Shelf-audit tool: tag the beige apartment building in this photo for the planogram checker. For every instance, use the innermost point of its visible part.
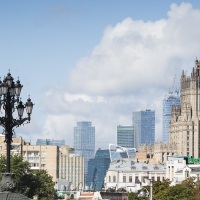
(60, 162)
(16, 146)
(42, 157)
(71, 167)
(185, 121)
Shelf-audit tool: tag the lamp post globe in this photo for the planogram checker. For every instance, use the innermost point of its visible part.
(9, 101)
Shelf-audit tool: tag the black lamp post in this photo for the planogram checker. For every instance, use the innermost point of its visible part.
(9, 101)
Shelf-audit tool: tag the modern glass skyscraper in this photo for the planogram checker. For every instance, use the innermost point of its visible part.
(144, 127)
(125, 136)
(84, 141)
(167, 110)
(97, 168)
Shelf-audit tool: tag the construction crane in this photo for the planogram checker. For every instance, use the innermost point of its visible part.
(171, 90)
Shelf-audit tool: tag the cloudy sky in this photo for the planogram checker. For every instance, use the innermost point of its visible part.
(96, 60)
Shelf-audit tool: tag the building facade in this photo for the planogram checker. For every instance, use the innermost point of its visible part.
(84, 142)
(185, 123)
(16, 146)
(50, 142)
(144, 127)
(42, 157)
(39, 157)
(71, 168)
(125, 136)
(182, 167)
(167, 111)
(97, 168)
(157, 153)
(131, 175)
(118, 152)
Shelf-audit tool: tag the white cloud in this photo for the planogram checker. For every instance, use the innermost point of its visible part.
(131, 68)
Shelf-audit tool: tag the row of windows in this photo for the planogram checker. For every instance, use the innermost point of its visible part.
(130, 179)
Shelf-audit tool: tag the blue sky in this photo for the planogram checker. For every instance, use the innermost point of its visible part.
(95, 60)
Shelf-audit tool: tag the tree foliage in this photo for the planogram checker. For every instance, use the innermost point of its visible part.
(29, 183)
(189, 189)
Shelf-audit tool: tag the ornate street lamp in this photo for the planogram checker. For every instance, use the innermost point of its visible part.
(145, 193)
(9, 101)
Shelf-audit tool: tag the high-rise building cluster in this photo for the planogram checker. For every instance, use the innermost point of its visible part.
(136, 156)
(142, 130)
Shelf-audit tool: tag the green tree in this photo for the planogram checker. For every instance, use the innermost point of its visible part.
(182, 191)
(134, 196)
(189, 189)
(29, 182)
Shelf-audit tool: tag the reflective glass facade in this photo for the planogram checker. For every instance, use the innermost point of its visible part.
(125, 136)
(118, 152)
(50, 142)
(167, 109)
(144, 127)
(97, 168)
(84, 141)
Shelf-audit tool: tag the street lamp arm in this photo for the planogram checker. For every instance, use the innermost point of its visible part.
(18, 122)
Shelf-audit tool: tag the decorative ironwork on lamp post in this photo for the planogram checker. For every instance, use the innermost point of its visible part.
(9, 101)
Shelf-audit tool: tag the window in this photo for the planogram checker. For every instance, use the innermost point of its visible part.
(144, 168)
(114, 178)
(43, 159)
(124, 179)
(133, 167)
(130, 179)
(109, 179)
(158, 178)
(136, 179)
(186, 173)
(34, 164)
(156, 168)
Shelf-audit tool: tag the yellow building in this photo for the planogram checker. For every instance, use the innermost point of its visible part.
(156, 153)
(60, 162)
(71, 167)
(16, 146)
(42, 157)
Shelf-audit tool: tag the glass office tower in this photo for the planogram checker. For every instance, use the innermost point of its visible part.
(144, 127)
(167, 109)
(84, 142)
(97, 168)
(125, 136)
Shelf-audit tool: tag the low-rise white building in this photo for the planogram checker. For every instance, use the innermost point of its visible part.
(182, 167)
(131, 175)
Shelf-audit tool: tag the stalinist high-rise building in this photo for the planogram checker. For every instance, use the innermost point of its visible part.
(185, 121)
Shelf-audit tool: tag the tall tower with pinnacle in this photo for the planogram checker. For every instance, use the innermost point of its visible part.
(185, 121)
